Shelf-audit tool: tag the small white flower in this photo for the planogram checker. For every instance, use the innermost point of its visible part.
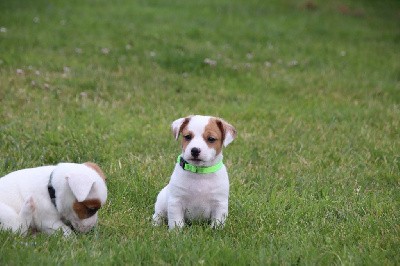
(20, 71)
(36, 19)
(105, 50)
(83, 94)
(37, 73)
(66, 69)
(128, 47)
(153, 54)
(210, 62)
(293, 63)
(3, 29)
(357, 190)
(267, 64)
(342, 53)
(33, 83)
(249, 56)
(30, 67)
(46, 86)
(78, 50)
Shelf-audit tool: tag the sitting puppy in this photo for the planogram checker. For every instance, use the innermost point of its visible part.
(199, 186)
(48, 198)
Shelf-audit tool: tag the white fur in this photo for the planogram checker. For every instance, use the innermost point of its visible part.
(192, 196)
(25, 201)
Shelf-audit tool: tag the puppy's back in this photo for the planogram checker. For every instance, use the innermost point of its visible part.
(16, 186)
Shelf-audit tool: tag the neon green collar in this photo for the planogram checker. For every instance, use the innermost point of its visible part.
(198, 169)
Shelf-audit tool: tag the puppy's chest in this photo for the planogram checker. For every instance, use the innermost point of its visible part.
(199, 190)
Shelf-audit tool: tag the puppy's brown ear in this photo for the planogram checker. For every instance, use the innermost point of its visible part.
(96, 168)
(178, 125)
(229, 132)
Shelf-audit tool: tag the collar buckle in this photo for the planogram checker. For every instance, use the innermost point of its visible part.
(182, 162)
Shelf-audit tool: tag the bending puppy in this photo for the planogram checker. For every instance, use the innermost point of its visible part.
(49, 198)
(199, 186)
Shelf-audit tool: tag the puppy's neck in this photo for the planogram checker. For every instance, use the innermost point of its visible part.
(216, 160)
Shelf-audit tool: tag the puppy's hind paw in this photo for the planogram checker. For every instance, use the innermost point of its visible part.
(26, 215)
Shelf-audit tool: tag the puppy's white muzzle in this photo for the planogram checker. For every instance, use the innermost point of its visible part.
(85, 225)
(198, 153)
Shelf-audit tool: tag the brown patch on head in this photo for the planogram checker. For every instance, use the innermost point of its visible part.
(96, 168)
(187, 135)
(86, 208)
(184, 124)
(214, 134)
(178, 125)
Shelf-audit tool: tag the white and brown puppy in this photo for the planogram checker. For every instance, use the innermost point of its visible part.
(199, 186)
(66, 196)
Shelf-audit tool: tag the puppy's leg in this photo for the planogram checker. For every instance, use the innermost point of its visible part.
(160, 208)
(9, 219)
(175, 214)
(26, 214)
(50, 227)
(219, 214)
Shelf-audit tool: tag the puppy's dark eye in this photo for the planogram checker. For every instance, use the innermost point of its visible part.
(92, 211)
(211, 139)
(188, 137)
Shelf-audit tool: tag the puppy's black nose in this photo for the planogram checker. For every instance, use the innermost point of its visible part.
(195, 152)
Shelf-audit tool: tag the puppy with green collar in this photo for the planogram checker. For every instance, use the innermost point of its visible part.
(199, 185)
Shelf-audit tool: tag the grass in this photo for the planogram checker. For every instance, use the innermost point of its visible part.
(313, 92)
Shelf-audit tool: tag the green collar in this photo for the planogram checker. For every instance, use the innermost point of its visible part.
(198, 169)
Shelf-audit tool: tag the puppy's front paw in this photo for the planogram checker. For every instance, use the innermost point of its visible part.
(158, 220)
(216, 224)
(219, 221)
(67, 232)
(176, 224)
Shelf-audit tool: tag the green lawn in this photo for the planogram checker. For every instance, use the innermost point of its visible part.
(313, 88)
